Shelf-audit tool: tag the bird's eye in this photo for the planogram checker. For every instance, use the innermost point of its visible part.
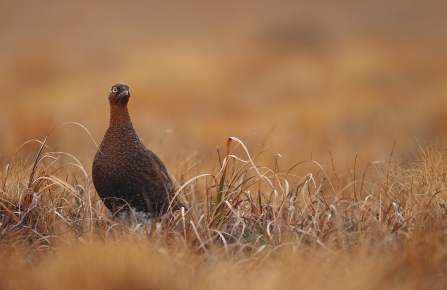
(114, 89)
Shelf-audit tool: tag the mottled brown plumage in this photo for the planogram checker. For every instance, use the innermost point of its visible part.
(125, 173)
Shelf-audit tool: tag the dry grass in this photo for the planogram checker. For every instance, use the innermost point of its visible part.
(244, 227)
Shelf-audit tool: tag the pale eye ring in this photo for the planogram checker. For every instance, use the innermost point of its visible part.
(114, 89)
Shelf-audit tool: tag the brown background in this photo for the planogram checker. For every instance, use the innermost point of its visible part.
(303, 77)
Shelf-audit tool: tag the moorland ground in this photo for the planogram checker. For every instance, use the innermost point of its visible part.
(243, 226)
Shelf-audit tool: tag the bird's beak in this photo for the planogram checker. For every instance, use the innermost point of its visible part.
(126, 92)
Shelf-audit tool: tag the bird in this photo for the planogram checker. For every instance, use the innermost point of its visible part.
(127, 176)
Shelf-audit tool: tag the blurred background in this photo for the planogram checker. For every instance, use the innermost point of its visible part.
(301, 77)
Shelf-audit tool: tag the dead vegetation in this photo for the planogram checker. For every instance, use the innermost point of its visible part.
(244, 226)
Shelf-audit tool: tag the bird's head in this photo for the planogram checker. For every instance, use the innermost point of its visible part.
(119, 95)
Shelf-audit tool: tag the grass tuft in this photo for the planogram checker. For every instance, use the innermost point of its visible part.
(244, 225)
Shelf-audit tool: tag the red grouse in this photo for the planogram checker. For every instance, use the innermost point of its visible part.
(125, 173)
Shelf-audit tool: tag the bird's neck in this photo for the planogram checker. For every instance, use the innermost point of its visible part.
(119, 115)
